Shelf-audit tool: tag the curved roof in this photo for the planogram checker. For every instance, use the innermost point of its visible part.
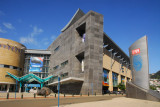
(79, 13)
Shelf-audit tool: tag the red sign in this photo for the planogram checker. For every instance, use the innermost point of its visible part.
(136, 51)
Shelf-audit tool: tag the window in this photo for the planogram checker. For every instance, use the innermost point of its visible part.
(64, 63)
(14, 67)
(47, 63)
(56, 49)
(64, 75)
(47, 57)
(81, 31)
(56, 67)
(6, 66)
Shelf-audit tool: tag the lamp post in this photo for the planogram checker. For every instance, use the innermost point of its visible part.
(58, 88)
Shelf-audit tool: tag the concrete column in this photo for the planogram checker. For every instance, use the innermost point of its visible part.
(119, 80)
(20, 85)
(110, 81)
(125, 80)
(8, 86)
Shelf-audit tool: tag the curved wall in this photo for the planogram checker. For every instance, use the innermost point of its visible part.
(11, 60)
(139, 63)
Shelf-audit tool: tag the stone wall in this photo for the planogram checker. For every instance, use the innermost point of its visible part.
(133, 91)
(70, 45)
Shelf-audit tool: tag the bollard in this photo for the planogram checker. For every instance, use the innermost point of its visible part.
(95, 93)
(21, 96)
(64, 95)
(34, 95)
(7, 95)
(72, 95)
(88, 93)
(81, 94)
(55, 95)
(45, 95)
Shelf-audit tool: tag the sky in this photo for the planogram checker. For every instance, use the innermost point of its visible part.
(37, 23)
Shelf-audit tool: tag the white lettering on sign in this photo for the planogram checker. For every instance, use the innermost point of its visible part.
(135, 51)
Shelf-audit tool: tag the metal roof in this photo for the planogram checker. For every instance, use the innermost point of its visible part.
(79, 13)
(30, 78)
(112, 45)
(36, 51)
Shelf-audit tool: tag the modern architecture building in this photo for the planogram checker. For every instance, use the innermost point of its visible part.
(11, 60)
(86, 59)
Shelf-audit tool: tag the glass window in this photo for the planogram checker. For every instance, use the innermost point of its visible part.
(64, 63)
(115, 79)
(56, 67)
(48, 57)
(6, 66)
(105, 77)
(14, 67)
(56, 49)
(47, 63)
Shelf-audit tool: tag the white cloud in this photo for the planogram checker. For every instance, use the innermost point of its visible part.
(2, 31)
(36, 31)
(8, 25)
(27, 40)
(31, 38)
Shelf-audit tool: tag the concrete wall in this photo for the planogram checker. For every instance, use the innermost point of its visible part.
(133, 91)
(70, 45)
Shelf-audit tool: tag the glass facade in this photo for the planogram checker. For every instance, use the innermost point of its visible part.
(115, 79)
(122, 80)
(45, 66)
(105, 77)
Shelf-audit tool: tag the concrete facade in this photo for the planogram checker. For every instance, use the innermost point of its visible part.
(134, 91)
(71, 48)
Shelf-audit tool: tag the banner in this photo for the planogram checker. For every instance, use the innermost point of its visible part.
(36, 64)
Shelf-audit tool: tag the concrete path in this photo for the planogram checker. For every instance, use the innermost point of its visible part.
(116, 102)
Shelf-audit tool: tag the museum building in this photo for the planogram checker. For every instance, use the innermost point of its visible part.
(86, 59)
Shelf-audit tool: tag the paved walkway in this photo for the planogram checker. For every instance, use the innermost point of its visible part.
(116, 102)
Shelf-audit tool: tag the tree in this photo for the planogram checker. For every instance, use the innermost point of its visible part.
(152, 87)
(121, 86)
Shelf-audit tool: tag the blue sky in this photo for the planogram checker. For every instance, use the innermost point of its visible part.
(36, 23)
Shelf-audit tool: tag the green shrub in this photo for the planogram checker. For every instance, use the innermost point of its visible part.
(121, 86)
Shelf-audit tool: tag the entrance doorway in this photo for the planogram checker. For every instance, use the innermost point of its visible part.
(105, 90)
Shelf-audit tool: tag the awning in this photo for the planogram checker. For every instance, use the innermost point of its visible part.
(67, 80)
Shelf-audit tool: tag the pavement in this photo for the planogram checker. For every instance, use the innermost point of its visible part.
(75, 101)
(116, 102)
